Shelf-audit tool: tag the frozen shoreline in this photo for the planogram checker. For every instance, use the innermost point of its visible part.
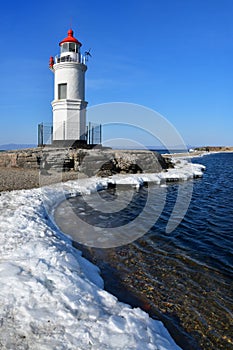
(51, 297)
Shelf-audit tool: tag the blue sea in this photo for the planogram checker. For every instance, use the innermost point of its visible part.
(184, 278)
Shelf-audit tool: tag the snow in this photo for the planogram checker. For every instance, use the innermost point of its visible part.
(183, 170)
(53, 298)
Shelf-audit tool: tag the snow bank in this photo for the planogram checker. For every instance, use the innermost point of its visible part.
(183, 170)
(53, 298)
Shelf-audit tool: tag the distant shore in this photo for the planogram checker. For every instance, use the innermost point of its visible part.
(200, 151)
(214, 149)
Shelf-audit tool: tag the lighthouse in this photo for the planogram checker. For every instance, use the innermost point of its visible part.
(69, 105)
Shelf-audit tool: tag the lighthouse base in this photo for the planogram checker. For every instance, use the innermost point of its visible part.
(69, 120)
(70, 144)
(73, 144)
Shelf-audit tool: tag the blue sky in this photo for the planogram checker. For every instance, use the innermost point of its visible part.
(172, 56)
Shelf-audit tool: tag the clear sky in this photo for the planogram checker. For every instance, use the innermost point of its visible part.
(173, 56)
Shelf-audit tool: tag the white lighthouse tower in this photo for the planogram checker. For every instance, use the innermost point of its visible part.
(69, 105)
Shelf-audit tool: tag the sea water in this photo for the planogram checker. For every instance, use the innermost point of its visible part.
(184, 277)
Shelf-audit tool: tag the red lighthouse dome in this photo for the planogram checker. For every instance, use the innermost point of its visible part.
(70, 38)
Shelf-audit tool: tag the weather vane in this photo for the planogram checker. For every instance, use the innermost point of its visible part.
(87, 54)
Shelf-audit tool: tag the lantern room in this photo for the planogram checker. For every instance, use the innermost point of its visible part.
(70, 48)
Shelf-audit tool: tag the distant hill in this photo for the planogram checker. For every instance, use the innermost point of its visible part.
(15, 146)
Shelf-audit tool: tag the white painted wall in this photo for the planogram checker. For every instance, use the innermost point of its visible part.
(69, 115)
(73, 74)
(69, 119)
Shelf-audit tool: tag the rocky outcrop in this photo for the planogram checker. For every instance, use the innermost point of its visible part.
(27, 158)
(101, 162)
(106, 163)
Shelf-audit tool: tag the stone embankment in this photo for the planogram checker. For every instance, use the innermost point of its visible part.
(40, 166)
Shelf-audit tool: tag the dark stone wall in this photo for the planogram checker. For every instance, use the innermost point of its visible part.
(101, 162)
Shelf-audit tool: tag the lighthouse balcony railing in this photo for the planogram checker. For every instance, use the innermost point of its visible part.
(68, 58)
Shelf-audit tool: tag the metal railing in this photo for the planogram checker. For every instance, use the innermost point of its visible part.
(93, 134)
(68, 58)
(45, 134)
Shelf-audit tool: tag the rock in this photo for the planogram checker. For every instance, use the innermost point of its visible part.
(90, 162)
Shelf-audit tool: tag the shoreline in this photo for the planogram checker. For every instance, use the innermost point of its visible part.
(50, 196)
(70, 187)
(114, 285)
(18, 178)
(26, 169)
(75, 310)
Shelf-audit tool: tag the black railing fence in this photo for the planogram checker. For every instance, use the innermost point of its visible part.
(45, 134)
(93, 134)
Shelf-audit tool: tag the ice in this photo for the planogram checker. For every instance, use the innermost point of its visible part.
(53, 298)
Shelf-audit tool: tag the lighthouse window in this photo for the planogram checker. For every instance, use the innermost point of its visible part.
(65, 47)
(72, 47)
(62, 91)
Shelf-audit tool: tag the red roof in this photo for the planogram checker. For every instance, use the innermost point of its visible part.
(70, 38)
